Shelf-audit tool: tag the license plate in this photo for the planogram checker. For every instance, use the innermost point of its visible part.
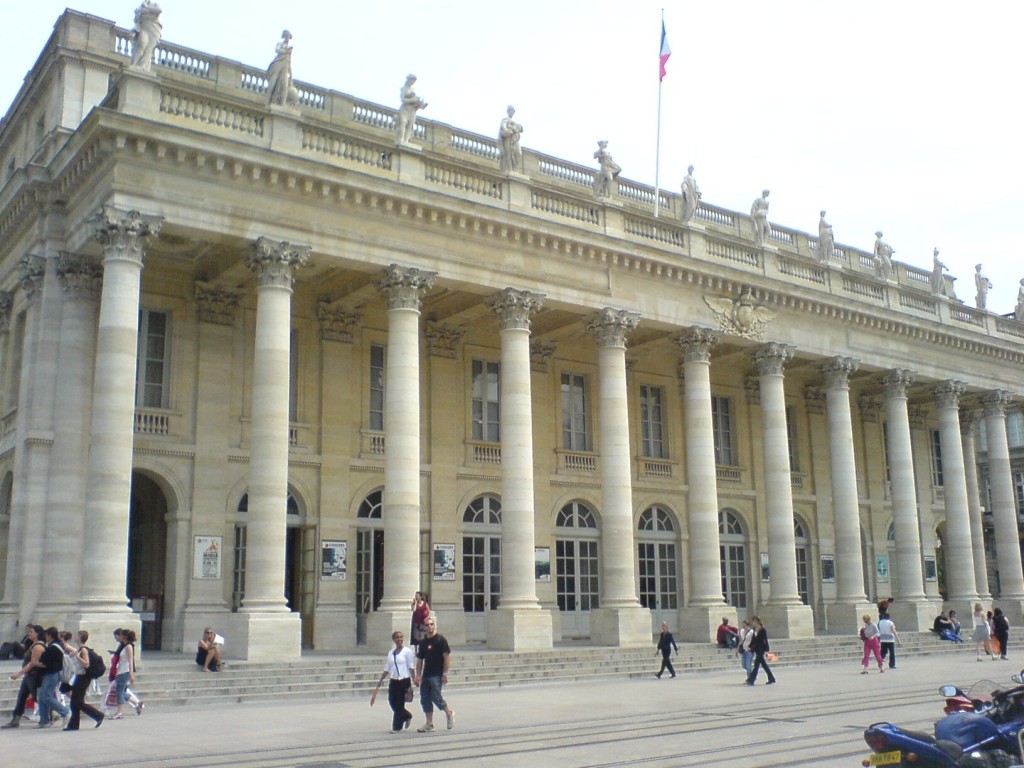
(884, 758)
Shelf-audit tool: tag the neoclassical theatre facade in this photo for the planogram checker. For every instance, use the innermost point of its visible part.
(271, 368)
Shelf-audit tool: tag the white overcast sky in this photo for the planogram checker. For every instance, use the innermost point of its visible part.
(904, 116)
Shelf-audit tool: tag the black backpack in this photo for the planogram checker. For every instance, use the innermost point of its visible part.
(96, 668)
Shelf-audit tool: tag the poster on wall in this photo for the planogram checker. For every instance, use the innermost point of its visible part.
(444, 562)
(930, 571)
(765, 572)
(882, 568)
(333, 560)
(828, 568)
(206, 556)
(542, 563)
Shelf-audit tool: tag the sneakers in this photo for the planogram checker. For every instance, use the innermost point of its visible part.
(425, 728)
(118, 716)
(139, 707)
(450, 714)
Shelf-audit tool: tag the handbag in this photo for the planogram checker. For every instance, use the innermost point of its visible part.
(408, 693)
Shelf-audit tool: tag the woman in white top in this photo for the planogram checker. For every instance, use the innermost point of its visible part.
(398, 669)
(982, 634)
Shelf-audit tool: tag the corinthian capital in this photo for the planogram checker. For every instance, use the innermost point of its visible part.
(947, 394)
(123, 234)
(610, 326)
(995, 402)
(216, 305)
(772, 357)
(515, 308)
(837, 371)
(275, 263)
(31, 270)
(696, 344)
(897, 381)
(80, 276)
(404, 288)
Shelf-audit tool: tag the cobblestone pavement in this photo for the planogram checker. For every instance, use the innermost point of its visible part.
(815, 715)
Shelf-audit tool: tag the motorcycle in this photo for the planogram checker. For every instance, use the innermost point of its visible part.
(976, 698)
(988, 737)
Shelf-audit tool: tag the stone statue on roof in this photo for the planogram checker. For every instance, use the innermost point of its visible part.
(883, 257)
(826, 240)
(608, 171)
(508, 136)
(146, 34)
(1018, 311)
(938, 282)
(280, 90)
(405, 124)
(983, 285)
(689, 196)
(759, 213)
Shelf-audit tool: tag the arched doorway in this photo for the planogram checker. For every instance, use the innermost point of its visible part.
(803, 560)
(732, 549)
(658, 566)
(577, 567)
(369, 560)
(147, 557)
(481, 563)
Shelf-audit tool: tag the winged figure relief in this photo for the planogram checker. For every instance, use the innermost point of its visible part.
(740, 316)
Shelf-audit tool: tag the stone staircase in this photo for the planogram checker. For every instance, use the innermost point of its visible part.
(172, 679)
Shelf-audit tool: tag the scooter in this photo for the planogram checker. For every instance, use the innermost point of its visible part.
(985, 738)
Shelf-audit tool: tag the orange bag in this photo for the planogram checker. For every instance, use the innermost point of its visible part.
(996, 648)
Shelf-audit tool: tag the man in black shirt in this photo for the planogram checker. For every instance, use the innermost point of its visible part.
(433, 657)
(53, 663)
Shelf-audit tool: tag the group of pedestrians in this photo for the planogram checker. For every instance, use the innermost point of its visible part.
(880, 640)
(426, 668)
(750, 641)
(55, 662)
(991, 633)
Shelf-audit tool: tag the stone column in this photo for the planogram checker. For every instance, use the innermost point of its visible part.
(620, 620)
(269, 629)
(1004, 513)
(519, 623)
(851, 601)
(104, 605)
(968, 421)
(914, 610)
(706, 606)
(403, 288)
(786, 614)
(80, 279)
(957, 547)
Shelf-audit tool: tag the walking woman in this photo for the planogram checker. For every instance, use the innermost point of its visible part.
(81, 684)
(746, 655)
(872, 645)
(399, 667)
(126, 672)
(982, 635)
(759, 645)
(665, 644)
(1000, 630)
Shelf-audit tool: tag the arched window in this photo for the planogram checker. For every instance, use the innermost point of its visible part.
(369, 556)
(802, 561)
(481, 563)
(657, 563)
(371, 506)
(733, 552)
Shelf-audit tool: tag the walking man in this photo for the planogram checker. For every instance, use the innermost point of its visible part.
(433, 657)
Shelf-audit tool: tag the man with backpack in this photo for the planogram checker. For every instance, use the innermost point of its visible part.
(92, 667)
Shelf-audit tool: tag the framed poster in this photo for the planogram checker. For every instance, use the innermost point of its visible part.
(930, 572)
(828, 568)
(881, 568)
(444, 562)
(542, 563)
(765, 573)
(206, 556)
(333, 560)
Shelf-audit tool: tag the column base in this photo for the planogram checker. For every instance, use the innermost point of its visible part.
(263, 636)
(621, 627)
(334, 628)
(846, 618)
(789, 621)
(915, 616)
(193, 622)
(520, 629)
(699, 624)
(101, 624)
(380, 625)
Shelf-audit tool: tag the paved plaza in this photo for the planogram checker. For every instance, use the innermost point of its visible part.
(814, 716)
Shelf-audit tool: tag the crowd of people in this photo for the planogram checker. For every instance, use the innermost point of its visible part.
(59, 668)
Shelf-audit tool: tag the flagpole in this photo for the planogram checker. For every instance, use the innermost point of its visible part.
(657, 141)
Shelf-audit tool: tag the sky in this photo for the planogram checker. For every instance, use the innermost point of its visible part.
(901, 116)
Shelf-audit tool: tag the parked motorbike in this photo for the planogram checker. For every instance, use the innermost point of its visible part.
(977, 698)
(984, 738)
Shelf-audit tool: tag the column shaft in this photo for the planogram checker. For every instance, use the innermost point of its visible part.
(904, 492)
(957, 548)
(1004, 513)
(967, 424)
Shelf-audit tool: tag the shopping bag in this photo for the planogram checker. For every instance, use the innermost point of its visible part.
(996, 648)
(110, 700)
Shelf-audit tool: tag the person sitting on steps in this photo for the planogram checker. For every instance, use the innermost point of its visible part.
(208, 652)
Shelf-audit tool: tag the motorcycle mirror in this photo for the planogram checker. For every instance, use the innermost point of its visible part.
(949, 691)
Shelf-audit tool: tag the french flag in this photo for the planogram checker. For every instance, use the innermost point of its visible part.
(665, 53)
